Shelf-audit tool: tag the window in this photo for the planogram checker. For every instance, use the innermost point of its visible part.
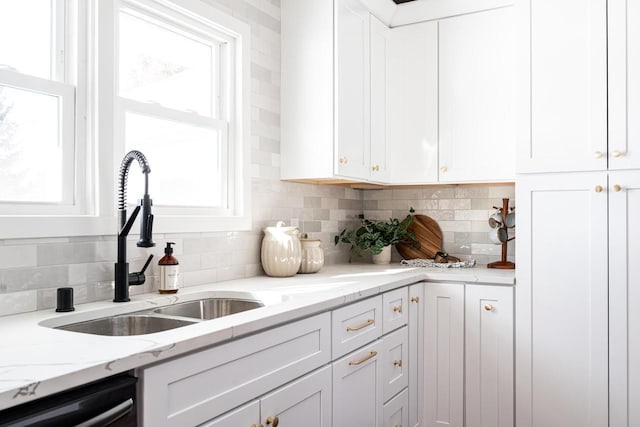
(37, 110)
(166, 77)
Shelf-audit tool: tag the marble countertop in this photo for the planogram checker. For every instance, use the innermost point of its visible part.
(36, 360)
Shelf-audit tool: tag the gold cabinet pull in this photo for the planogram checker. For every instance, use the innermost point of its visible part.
(397, 308)
(443, 169)
(360, 326)
(375, 168)
(364, 359)
(257, 425)
(597, 154)
(599, 189)
(616, 153)
(342, 160)
(415, 299)
(488, 307)
(617, 188)
(273, 421)
(397, 363)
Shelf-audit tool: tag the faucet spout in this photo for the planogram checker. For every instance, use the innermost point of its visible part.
(123, 279)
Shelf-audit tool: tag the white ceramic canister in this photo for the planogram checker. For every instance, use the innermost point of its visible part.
(281, 250)
(312, 255)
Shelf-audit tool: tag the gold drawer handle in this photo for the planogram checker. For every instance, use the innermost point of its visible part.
(273, 421)
(364, 359)
(397, 308)
(361, 326)
(259, 425)
(488, 307)
(599, 188)
(397, 363)
(617, 188)
(415, 299)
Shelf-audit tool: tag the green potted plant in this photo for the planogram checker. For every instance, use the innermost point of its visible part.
(378, 236)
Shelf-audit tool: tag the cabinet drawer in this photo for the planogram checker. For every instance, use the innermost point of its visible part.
(356, 325)
(196, 388)
(395, 362)
(395, 309)
(395, 412)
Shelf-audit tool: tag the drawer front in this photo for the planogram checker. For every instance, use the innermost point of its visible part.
(193, 389)
(395, 362)
(395, 309)
(395, 412)
(356, 325)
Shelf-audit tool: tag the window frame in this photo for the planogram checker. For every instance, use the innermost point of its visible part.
(97, 157)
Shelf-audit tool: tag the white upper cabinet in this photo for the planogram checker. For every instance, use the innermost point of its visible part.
(352, 89)
(412, 118)
(334, 92)
(380, 136)
(476, 83)
(562, 97)
(624, 84)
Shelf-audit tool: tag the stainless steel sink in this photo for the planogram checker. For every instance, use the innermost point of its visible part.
(209, 308)
(130, 324)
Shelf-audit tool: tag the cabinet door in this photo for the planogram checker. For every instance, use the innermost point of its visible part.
(395, 363)
(444, 355)
(624, 298)
(395, 413)
(624, 84)
(561, 301)
(357, 388)
(247, 415)
(412, 118)
(304, 402)
(416, 353)
(352, 89)
(488, 350)
(562, 123)
(476, 81)
(380, 136)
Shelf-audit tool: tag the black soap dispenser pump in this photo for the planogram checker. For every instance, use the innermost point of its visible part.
(169, 271)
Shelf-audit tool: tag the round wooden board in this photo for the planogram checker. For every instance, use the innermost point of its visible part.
(428, 233)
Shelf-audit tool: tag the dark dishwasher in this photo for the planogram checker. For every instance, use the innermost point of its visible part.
(110, 402)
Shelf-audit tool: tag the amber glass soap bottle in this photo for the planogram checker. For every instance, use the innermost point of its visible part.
(169, 271)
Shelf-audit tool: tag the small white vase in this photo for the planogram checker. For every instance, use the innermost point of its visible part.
(312, 255)
(383, 257)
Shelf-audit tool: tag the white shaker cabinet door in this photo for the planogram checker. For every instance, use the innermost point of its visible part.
(476, 82)
(304, 402)
(412, 118)
(352, 89)
(624, 298)
(624, 84)
(561, 301)
(489, 394)
(357, 388)
(247, 415)
(562, 93)
(416, 353)
(380, 135)
(444, 355)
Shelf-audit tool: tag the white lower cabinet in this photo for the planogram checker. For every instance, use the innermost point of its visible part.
(357, 388)
(468, 364)
(395, 412)
(203, 385)
(444, 355)
(395, 358)
(304, 402)
(489, 394)
(416, 353)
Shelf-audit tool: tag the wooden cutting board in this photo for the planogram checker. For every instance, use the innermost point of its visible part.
(428, 233)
